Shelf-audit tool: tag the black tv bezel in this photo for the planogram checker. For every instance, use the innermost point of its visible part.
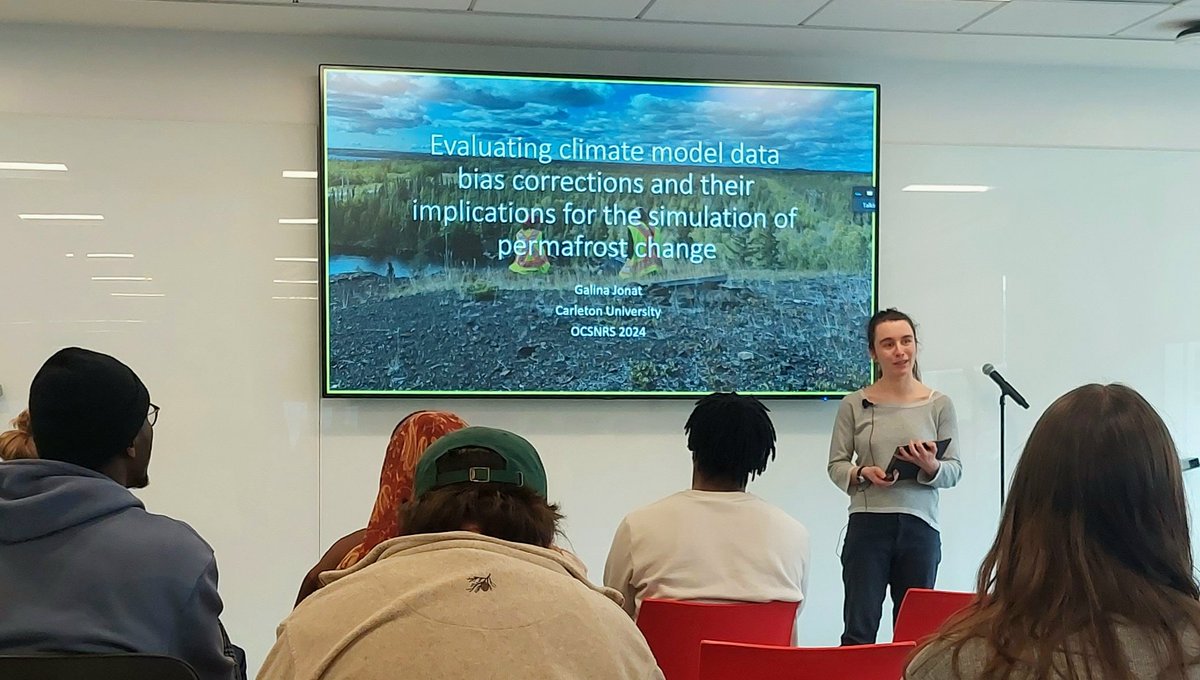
(322, 261)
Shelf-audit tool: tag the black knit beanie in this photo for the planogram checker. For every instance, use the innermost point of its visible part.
(85, 407)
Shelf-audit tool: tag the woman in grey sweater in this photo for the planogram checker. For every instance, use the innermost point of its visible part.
(1091, 575)
(892, 539)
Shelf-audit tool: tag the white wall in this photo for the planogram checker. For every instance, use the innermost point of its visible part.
(1075, 268)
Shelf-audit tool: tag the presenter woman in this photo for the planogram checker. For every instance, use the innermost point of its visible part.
(892, 540)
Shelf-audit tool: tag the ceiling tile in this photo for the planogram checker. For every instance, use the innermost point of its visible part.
(763, 12)
(400, 4)
(1064, 17)
(901, 15)
(609, 9)
(1167, 25)
(1119, 2)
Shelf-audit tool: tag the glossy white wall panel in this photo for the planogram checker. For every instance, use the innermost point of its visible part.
(197, 205)
(180, 139)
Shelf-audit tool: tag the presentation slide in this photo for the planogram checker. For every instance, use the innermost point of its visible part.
(501, 234)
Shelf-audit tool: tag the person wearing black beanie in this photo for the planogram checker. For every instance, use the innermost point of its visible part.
(91, 410)
(83, 567)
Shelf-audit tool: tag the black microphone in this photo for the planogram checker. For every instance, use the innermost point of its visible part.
(1005, 388)
(867, 403)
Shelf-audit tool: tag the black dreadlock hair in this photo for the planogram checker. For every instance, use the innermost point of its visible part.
(730, 436)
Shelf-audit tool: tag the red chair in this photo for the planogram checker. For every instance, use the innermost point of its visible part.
(923, 611)
(674, 629)
(733, 661)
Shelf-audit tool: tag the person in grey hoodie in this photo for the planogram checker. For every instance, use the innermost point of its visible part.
(83, 567)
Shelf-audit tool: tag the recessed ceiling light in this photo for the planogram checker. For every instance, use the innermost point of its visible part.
(300, 174)
(61, 217)
(298, 220)
(311, 283)
(138, 294)
(37, 167)
(295, 259)
(70, 254)
(292, 297)
(111, 255)
(948, 188)
(122, 278)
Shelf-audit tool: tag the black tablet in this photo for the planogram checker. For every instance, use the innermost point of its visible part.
(909, 470)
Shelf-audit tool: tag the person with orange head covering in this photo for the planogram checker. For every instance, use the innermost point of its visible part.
(409, 440)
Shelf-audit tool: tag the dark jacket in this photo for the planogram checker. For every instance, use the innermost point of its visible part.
(84, 568)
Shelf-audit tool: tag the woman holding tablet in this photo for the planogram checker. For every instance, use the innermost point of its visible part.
(892, 540)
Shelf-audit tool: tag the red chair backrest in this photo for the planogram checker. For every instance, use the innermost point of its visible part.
(733, 661)
(924, 611)
(674, 629)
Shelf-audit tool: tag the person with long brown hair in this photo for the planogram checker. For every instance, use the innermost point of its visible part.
(17, 443)
(1091, 575)
(893, 539)
(411, 436)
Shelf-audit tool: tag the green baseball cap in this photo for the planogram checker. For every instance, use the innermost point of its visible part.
(523, 466)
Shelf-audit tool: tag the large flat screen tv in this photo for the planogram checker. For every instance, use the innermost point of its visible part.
(489, 234)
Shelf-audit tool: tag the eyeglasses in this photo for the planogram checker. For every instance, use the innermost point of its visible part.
(152, 416)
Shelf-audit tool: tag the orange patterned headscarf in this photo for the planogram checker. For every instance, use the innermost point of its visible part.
(409, 440)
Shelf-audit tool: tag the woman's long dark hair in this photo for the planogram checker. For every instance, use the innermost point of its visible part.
(1094, 538)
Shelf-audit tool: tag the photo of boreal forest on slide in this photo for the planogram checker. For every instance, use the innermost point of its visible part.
(478, 237)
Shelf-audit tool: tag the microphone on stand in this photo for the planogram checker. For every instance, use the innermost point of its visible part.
(1006, 388)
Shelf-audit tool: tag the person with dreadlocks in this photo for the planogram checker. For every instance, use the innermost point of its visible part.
(745, 549)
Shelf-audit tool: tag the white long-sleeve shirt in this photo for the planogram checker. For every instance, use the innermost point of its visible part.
(709, 545)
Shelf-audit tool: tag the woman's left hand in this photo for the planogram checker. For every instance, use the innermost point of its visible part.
(923, 454)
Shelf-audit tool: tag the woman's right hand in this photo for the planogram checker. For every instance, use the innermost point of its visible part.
(876, 476)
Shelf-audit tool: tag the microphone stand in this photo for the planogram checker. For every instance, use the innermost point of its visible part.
(1003, 397)
(1005, 390)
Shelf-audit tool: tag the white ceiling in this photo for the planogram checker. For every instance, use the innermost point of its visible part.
(1134, 33)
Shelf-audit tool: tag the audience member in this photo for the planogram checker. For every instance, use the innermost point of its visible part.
(83, 567)
(473, 590)
(17, 443)
(409, 440)
(714, 541)
(1091, 574)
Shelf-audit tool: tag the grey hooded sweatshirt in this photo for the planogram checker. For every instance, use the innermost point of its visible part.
(84, 568)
